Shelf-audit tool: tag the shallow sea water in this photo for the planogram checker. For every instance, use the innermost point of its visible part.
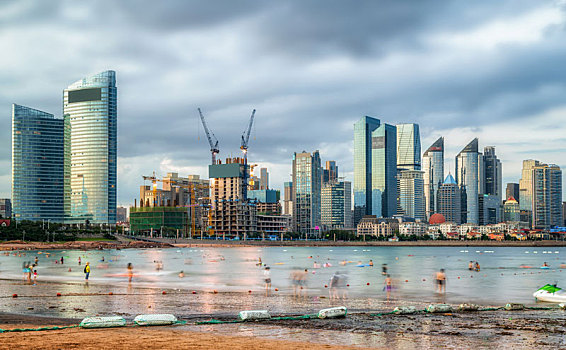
(234, 272)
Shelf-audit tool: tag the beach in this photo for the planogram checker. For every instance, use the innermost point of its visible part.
(495, 330)
(221, 281)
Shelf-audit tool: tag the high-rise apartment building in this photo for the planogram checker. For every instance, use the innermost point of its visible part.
(468, 170)
(37, 165)
(547, 196)
(337, 205)
(363, 141)
(90, 112)
(512, 191)
(411, 194)
(526, 184)
(5, 208)
(492, 173)
(307, 180)
(263, 179)
(330, 172)
(451, 200)
(433, 174)
(232, 213)
(408, 147)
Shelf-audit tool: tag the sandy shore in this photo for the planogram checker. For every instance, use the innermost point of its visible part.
(141, 338)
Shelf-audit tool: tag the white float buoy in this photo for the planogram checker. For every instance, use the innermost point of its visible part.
(405, 310)
(439, 308)
(251, 315)
(333, 312)
(155, 320)
(103, 322)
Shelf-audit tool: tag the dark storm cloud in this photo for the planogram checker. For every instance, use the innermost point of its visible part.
(310, 68)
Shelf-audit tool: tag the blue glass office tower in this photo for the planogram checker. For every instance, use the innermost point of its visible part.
(375, 169)
(384, 171)
(362, 166)
(90, 111)
(469, 165)
(37, 165)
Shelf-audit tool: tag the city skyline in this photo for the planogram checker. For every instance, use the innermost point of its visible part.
(325, 90)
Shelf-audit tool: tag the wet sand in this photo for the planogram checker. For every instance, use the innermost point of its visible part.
(489, 329)
(143, 338)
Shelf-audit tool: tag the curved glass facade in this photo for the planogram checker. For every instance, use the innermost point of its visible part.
(362, 166)
(90, 111)
(467, 176)
(37, 165)
(433, 167)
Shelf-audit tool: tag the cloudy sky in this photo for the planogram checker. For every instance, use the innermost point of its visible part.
(461, 69)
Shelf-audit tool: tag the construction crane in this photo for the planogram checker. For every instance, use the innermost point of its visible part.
(212, 140)
(246, 138)
(192, 187)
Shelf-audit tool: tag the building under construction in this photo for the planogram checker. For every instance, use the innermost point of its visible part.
(165, 206)
(231, 211)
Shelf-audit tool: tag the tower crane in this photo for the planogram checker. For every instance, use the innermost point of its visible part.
(246, 138)
(212, 140)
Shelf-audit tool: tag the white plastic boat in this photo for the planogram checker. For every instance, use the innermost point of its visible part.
(550, 293)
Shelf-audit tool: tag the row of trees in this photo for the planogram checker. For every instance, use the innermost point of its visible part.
(48, 232)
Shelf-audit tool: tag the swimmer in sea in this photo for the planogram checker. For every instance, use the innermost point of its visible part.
(384, 269)
(388, 286)
(471, 265)
(441, 281)
(130, 272)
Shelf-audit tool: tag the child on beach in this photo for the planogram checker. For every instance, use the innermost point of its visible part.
(34, 276)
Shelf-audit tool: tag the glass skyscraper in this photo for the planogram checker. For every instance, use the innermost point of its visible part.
(90, 112)
(492, 173)
(408, 147)
(384, 171)
(37, 165)
(433, 167)
(307, 180)
(468, 170)
(362, 166)
(375, 169)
